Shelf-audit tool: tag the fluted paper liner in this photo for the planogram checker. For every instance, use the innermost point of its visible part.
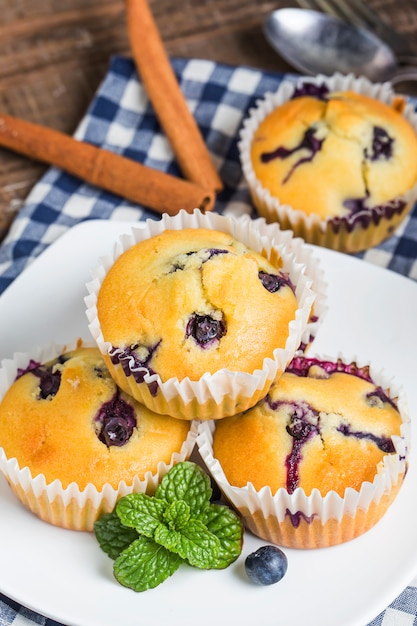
(71, 507)
(314, 269)
(346, 234)
(225, 392)
(316, 521)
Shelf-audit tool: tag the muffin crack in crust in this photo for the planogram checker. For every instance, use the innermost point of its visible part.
(194, 259)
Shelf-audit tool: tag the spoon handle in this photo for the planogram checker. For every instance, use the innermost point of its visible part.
(403, 74)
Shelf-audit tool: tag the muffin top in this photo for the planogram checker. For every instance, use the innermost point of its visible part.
(187, 302)
(67, 419)
(335, 154)
(323, 425)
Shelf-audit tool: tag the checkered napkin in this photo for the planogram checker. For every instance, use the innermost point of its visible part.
(121, 119)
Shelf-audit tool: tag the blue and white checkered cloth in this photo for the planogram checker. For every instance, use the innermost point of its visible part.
(121, 119)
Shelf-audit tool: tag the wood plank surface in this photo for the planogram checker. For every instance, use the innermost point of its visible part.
(55, 53)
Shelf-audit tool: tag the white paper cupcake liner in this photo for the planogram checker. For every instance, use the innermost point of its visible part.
(71, 507)
(225, 392)
(314, 271)
(350, 235)
(299, 521)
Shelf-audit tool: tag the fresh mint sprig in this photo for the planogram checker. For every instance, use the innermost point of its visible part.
(150, 536)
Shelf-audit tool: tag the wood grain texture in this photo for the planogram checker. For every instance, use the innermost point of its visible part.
(55, 53)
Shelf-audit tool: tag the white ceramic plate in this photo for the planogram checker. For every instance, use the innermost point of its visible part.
(64, 575)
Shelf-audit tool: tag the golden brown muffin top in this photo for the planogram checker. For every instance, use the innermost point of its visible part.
(188, 302)
(335, 155)
(321, 430)
(69, 421)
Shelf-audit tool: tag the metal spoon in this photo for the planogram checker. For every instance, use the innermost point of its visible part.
(316, 43)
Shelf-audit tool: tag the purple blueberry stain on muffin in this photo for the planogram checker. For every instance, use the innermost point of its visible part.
(311, 90)
(274, 282)
(32, 365)
(115, 421)
(356, 205)
(384, 443)
(302, 426)
(49, 377)
(181, 261)
(358, 208)
(296, 517)
(135, 361)
(310, 142)
(382, 145)
(206, 330)
(378, 398)
(212, 252)
(311, 366)
(305, 422)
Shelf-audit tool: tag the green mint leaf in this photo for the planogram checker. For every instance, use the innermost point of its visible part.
(142, 512)
(145, 565)
(226, 525)
(189, 482)
(194, 543)
(169, 538)
(149, 537)
(112, 536)
(177, 514)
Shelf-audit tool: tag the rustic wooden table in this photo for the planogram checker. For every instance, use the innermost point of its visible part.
(54, 54)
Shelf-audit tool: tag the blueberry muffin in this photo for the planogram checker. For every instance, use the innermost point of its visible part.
(199, 307)
(66, 420)
(188, 302)
(326, 433)
(337, 166)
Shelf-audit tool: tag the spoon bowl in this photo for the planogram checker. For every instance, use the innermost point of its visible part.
(316, 43)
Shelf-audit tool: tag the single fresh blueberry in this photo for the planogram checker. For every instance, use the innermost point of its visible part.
(266, 566)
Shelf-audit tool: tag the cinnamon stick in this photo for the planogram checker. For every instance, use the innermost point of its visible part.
(136, 182)
(167, 98)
